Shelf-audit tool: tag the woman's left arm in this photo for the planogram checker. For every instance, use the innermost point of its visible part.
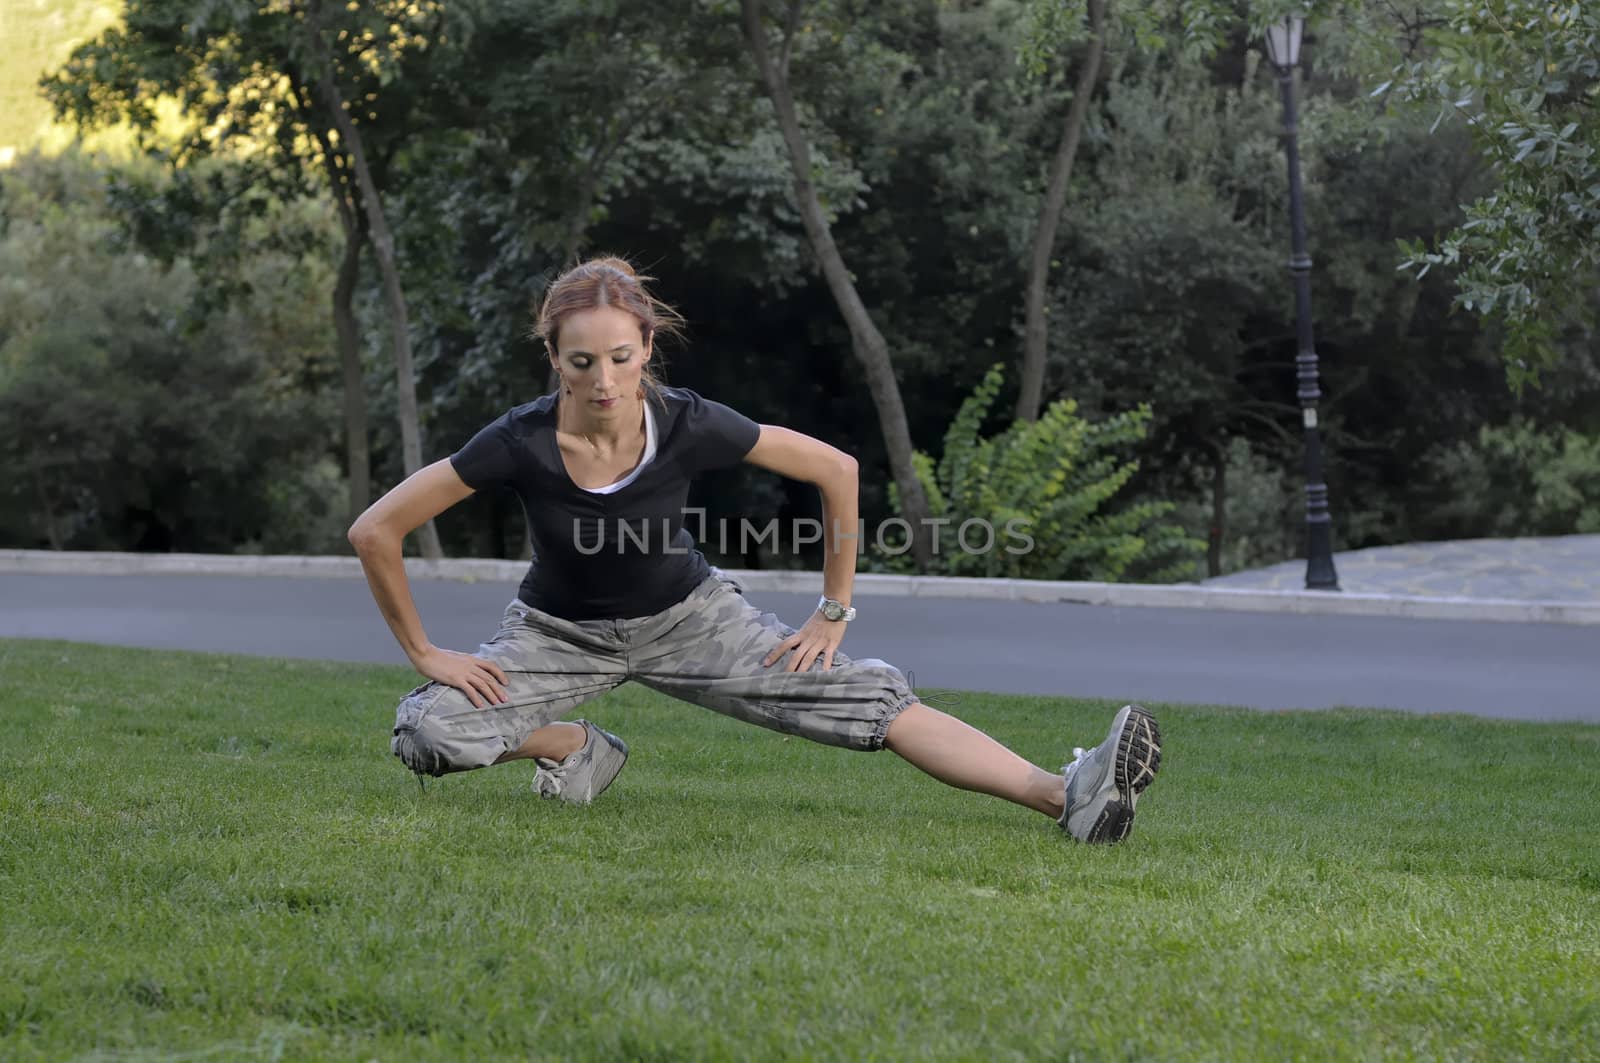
(800, 457)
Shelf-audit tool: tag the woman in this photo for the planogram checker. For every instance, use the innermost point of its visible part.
(618, 591)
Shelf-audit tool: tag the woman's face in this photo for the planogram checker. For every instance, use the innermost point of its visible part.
(601, 355)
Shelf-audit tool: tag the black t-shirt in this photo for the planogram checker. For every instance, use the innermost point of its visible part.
(608, 556)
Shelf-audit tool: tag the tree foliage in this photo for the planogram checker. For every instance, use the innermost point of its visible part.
(1518, 479)
(135, 411)
(508, 138)
(1524, 75)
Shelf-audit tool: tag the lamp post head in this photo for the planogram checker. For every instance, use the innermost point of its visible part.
(1283, 41)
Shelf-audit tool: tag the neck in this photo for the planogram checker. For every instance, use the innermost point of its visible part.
(608, 433)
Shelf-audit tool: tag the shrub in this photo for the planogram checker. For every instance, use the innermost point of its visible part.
(1055, 480)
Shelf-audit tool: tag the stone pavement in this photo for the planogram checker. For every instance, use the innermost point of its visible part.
(1564, 568)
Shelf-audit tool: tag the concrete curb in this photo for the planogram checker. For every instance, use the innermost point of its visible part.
(1164, 596)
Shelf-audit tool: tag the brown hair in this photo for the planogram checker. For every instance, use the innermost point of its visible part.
(607, 281)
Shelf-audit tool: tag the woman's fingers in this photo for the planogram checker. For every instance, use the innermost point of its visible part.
(492, 691)
(480, 679)
(496, 671)
(493, 680)
(780, 649)
(808, 648)
(478, 685)
(808, 654)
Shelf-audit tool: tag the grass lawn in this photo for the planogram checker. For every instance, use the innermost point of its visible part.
(216, 857)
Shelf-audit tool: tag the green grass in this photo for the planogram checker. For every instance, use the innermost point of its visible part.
(216, 857)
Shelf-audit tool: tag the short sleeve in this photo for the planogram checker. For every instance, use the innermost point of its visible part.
(722, 435)
(489, 458)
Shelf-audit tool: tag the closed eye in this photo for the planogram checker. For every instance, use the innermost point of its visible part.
(585, 359)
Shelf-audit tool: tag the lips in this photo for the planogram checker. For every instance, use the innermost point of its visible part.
(604, 404)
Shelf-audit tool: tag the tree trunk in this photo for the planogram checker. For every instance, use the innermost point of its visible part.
(52, 527)
(1219, 509)
(1036, 330)
(866, 341)
(358, 455)
(383, 245)
(358, 452)
(357, 447)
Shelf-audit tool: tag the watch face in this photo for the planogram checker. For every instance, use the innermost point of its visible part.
(833, 611)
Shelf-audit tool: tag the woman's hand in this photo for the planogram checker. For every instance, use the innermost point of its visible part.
(479, 679)
(820, 637)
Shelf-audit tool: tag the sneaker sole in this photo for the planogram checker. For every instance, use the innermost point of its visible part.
(1138, 760)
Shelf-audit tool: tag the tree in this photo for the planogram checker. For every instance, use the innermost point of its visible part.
(1169, 282)
(866, 341)
(136, 412)
(258, 79)
(553, 113)
(1030, 393)
(352, 221)
(323, 65)
(1524, 76)
(1201, 27)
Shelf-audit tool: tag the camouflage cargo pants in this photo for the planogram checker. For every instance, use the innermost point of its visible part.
(707, 650)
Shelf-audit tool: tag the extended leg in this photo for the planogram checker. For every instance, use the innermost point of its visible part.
(963, 756)
(1093, 799)
(710, 651)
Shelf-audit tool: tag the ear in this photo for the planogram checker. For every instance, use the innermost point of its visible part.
(649, 338)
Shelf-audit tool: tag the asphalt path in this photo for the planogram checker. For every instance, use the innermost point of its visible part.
(1262, 660)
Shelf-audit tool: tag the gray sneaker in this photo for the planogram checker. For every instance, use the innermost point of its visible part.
(1103, 783)
(582, 776)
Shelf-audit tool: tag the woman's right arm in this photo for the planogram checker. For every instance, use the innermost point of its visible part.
(377, 536)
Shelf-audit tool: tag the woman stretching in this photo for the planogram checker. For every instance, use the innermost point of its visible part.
(618, 591)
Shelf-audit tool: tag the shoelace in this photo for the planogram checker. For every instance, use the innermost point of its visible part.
(1079, 754)
(548, 782)
(550, 777)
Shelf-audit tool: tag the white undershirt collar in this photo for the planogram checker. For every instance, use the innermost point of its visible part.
(649, 453)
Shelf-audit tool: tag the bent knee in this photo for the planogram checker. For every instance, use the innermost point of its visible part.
(417, 752)
(432, 742)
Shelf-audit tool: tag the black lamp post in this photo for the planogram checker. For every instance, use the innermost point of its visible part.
(1283, 48)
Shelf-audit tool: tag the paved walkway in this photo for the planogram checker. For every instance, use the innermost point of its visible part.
(1566, 569)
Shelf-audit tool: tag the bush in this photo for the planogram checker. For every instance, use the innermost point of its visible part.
(1263, 519)
(1518, 479)
(134, 414)
(1043, 492)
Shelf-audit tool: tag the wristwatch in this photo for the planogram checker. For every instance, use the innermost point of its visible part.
(834, 610)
